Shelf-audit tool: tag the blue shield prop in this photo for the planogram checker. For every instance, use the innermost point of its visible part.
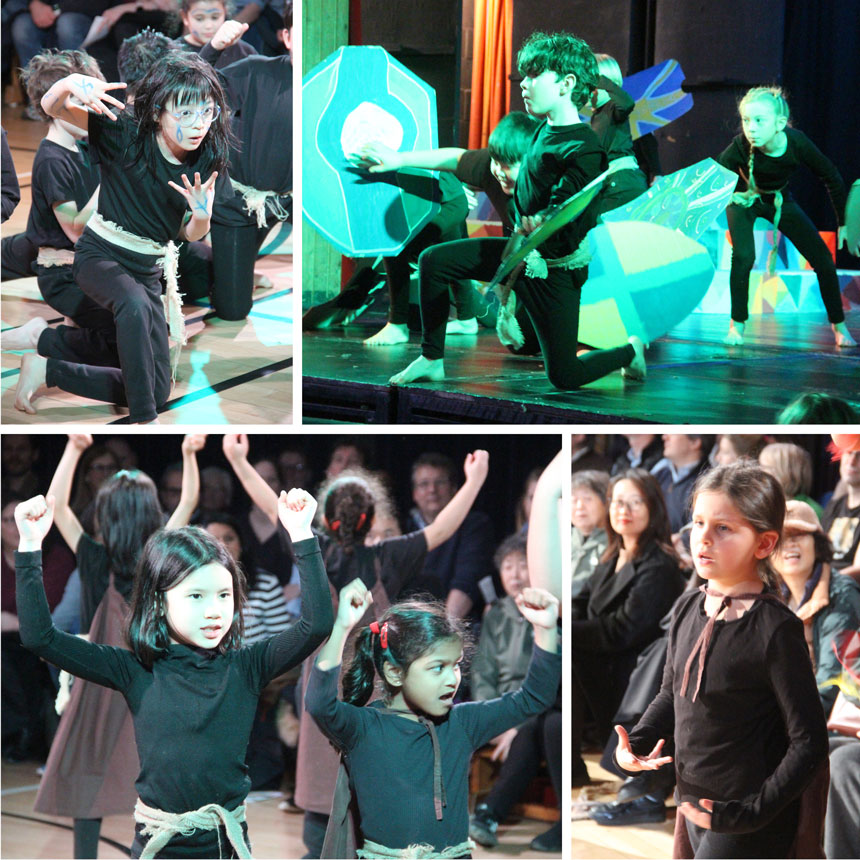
(355, 96)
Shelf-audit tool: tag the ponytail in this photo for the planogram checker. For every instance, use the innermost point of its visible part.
(359, 678)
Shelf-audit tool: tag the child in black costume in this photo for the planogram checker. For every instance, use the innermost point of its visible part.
(64, 191)
(559, 73)
(765, 156)
(738, 688)
(129, 239)
(192, 689)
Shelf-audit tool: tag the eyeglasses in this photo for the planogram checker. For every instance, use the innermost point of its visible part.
(186, 117)
(634, 504)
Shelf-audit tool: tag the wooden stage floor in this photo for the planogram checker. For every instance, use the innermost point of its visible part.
(229, 373)
(692, 377)
(27, 834)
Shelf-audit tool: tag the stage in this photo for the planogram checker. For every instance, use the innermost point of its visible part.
(692, 377)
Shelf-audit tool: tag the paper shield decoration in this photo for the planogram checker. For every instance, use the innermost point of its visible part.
(355, 96)
(688, 200)
(643, 280)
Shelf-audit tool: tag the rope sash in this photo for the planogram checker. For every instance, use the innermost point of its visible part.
(48, 257)
(418, 851)
(256, 200)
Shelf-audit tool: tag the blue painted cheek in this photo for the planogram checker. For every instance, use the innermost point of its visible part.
(178, 133)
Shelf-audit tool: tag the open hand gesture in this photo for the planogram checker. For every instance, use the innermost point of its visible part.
(630, 761)
(193, 442)
(476, 466)
(353, 601)
(34, 518)
(92, 94)
(199, 196)
(296, 511)
(538, 607)
(235, 446)
(377, 158)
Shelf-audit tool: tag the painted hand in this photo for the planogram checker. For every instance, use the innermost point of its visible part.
(199, 196)
(92, 94)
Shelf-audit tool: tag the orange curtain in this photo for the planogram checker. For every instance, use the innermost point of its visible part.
(491, 68)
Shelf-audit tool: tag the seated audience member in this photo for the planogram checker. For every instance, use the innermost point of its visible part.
(618, 612)
(499, 666)
(841, 833)
(791, 465)
(645, 451)
(460, 568)
(583, 456)
(685, 457)
(841, 519)
(733, 446)
(827, 603)
(588, 538)
(348, 453)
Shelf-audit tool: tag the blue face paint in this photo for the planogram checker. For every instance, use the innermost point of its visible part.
(178, 133)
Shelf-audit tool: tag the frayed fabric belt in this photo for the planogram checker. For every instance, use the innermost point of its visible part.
(418, 851)
(48, 257)
(160, 826)
(256, 201)
(168, 259)
(626, 162)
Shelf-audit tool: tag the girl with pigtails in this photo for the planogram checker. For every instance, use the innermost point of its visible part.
(348, 505)
(408, 753)
(93, 761)
(765, 156)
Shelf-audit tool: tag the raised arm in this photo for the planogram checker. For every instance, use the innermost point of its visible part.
(378, 158)
(451, 517)
(71, 98)
(190, 495)
(61, 489)
(543, 548)
(102, 664)
(353, 602)
(262, 495)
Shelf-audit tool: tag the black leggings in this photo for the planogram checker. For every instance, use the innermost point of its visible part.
(234, 253)
(81, 361)
(797, 227)
(60, 290)
(772, 840)
(538, 738)
(550, 320)
(87, 832)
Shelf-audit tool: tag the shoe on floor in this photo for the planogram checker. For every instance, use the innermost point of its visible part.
(548, 841)
(482, 826)
(644, 810)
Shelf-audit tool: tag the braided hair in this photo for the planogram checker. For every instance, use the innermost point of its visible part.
(349, 503)
(406, 632)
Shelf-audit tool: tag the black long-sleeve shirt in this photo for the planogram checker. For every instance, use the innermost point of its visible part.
(771, 173)
(755, 735)
(391, 757)
(611, 121)
(194, 709)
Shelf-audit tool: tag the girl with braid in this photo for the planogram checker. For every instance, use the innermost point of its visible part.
(765, 156)
(738, 689)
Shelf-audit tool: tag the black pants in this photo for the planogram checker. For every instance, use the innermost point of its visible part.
(551, 305)
(234, 252)
(797, 227)
(19, 254)
(448, 225)
(620, 188)
(538, 738)
(772, 840)
(79, 361)
(60, 290)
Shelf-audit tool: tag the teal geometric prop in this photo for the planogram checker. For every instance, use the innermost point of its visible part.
(688, 200)
(355, 96)
(643, 280)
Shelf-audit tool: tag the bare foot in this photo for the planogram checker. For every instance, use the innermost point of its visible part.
(32, 378)
(154, 421)
(636, 370)
(391, 334)
(735, 336)
(462, 326)
(842, 335)
(422, 368)
(262, 282)
(25, 336)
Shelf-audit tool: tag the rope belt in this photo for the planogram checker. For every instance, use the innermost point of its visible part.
(256, 200)
(162, 826)
(168, 259)
(48, 257)
(746, 199)
(626, 162)
(418, 851)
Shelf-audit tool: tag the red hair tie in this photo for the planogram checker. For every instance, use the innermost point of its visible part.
(382, 633)
(361, 521)
(335, 525)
